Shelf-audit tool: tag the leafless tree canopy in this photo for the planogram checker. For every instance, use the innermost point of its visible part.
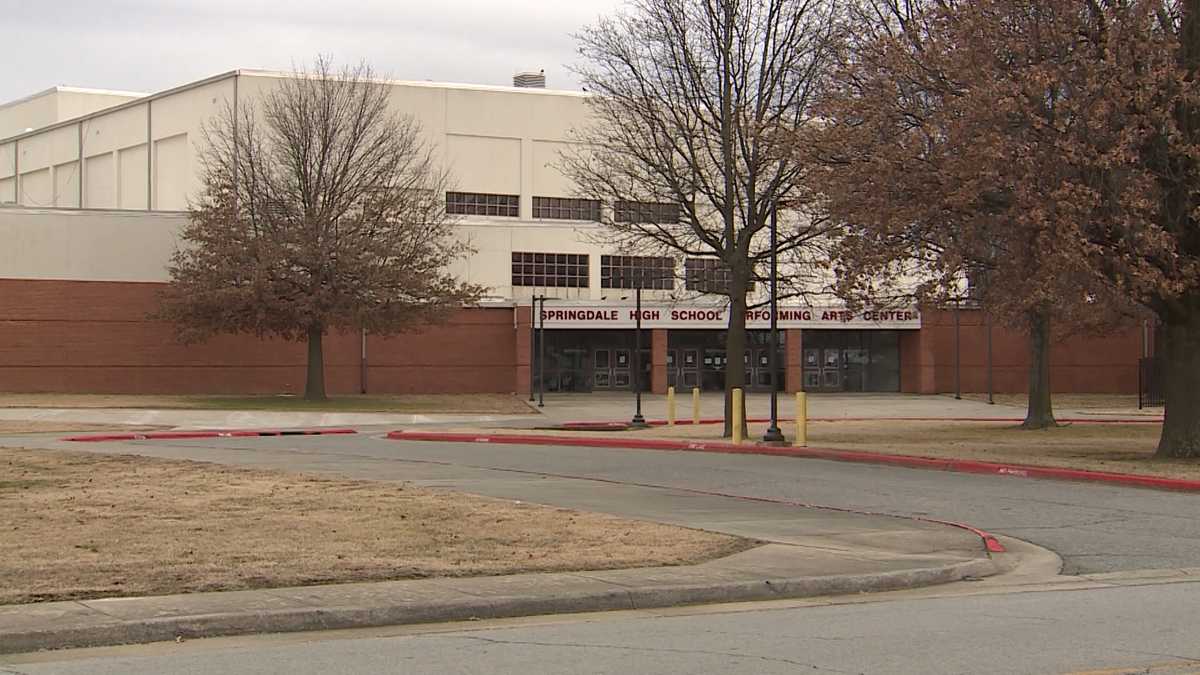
(692, 99)
(321, 209)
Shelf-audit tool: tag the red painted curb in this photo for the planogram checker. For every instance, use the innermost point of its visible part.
(584, 424)
(177, 435)
(908, 461)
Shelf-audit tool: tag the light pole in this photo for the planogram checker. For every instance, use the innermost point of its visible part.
(991, 384)
(957, 355)
(774, 434)
(533, 318)
(542, 355)
(638, 422)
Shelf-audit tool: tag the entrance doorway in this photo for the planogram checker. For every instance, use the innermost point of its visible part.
(698, 359)
(612, 368)
(585, 361)
(851, 360)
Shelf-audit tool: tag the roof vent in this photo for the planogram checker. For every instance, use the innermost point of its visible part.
(530, 80)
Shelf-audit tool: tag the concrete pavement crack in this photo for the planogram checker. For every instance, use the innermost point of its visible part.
(1092, 523)
(656, 650)
(1189, 659)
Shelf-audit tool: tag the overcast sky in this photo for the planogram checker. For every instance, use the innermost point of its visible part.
(149, 45)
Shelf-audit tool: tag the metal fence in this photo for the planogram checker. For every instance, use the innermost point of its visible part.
(1151, 374)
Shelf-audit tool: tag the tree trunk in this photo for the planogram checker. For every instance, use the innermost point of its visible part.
(1181, 416)
(314, 385)
(1040, 414)
(735, 356)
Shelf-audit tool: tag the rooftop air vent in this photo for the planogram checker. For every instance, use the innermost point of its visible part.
(530, 80)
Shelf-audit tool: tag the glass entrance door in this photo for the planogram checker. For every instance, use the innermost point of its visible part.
(831, 369)
(602, 369)
(851, 360)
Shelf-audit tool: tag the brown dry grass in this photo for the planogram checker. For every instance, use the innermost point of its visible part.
(1088, 403)
(81, 525)
(499, 404)
(1122, 448)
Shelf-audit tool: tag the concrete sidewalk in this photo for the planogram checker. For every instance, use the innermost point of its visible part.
(181, 419)
(619, 406)
(610, 406)
(766, 573)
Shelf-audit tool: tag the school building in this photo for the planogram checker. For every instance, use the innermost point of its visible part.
(94, 185)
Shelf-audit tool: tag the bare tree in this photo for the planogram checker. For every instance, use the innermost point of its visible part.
(322, 209)
(693, 102)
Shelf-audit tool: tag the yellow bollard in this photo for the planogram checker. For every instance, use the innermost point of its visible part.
(737, 415)
(695, 405)
(801, 419)
(670, 406)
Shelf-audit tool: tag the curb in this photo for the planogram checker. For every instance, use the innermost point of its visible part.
(591, 424)
(177, 435)
(907, 461)
(368, 616)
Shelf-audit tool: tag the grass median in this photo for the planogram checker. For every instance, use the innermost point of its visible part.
(1114, 447)
(1120, 448)
(81, 525)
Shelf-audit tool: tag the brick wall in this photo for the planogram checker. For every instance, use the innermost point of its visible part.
(1078, 364)
(86, 336)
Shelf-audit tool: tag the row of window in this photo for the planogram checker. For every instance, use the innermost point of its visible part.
(558, 208)
(570, 270)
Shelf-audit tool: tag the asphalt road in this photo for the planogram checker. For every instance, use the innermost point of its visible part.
(1094, 527)
(1147, 628)
(1138, 625)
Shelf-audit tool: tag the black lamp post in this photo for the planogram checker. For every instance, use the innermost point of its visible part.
(638, 422)
(957, 353)
(774, 434)
(533, 318)
(542, 355)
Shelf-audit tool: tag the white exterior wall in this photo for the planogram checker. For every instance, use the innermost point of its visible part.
(143, 156)
(56, 105)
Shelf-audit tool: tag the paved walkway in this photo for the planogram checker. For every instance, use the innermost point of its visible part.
(560, 408)
(621, 406)
(237, 419)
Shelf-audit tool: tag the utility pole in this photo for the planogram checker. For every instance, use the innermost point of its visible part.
(638, 422)
(774, 434)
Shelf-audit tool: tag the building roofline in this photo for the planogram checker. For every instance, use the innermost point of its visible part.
(146, 98)
(250, 72)
(71, 90)
(431, 84)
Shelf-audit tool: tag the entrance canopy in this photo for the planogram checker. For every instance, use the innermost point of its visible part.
(679, 316)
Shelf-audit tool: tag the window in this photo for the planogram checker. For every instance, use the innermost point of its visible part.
(629, 271)
(562, 270)
(645, 212)
(560, 208)
(480, 204)
(708, 275)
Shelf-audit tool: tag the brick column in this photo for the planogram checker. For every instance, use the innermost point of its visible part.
(523, 371)
(658, 361)
(918, 361)
(793, 361)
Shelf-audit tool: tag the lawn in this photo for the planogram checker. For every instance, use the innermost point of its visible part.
(1122, 448)
(498, 404)
(82, 525)
(1116, 447)
(1122, 404)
